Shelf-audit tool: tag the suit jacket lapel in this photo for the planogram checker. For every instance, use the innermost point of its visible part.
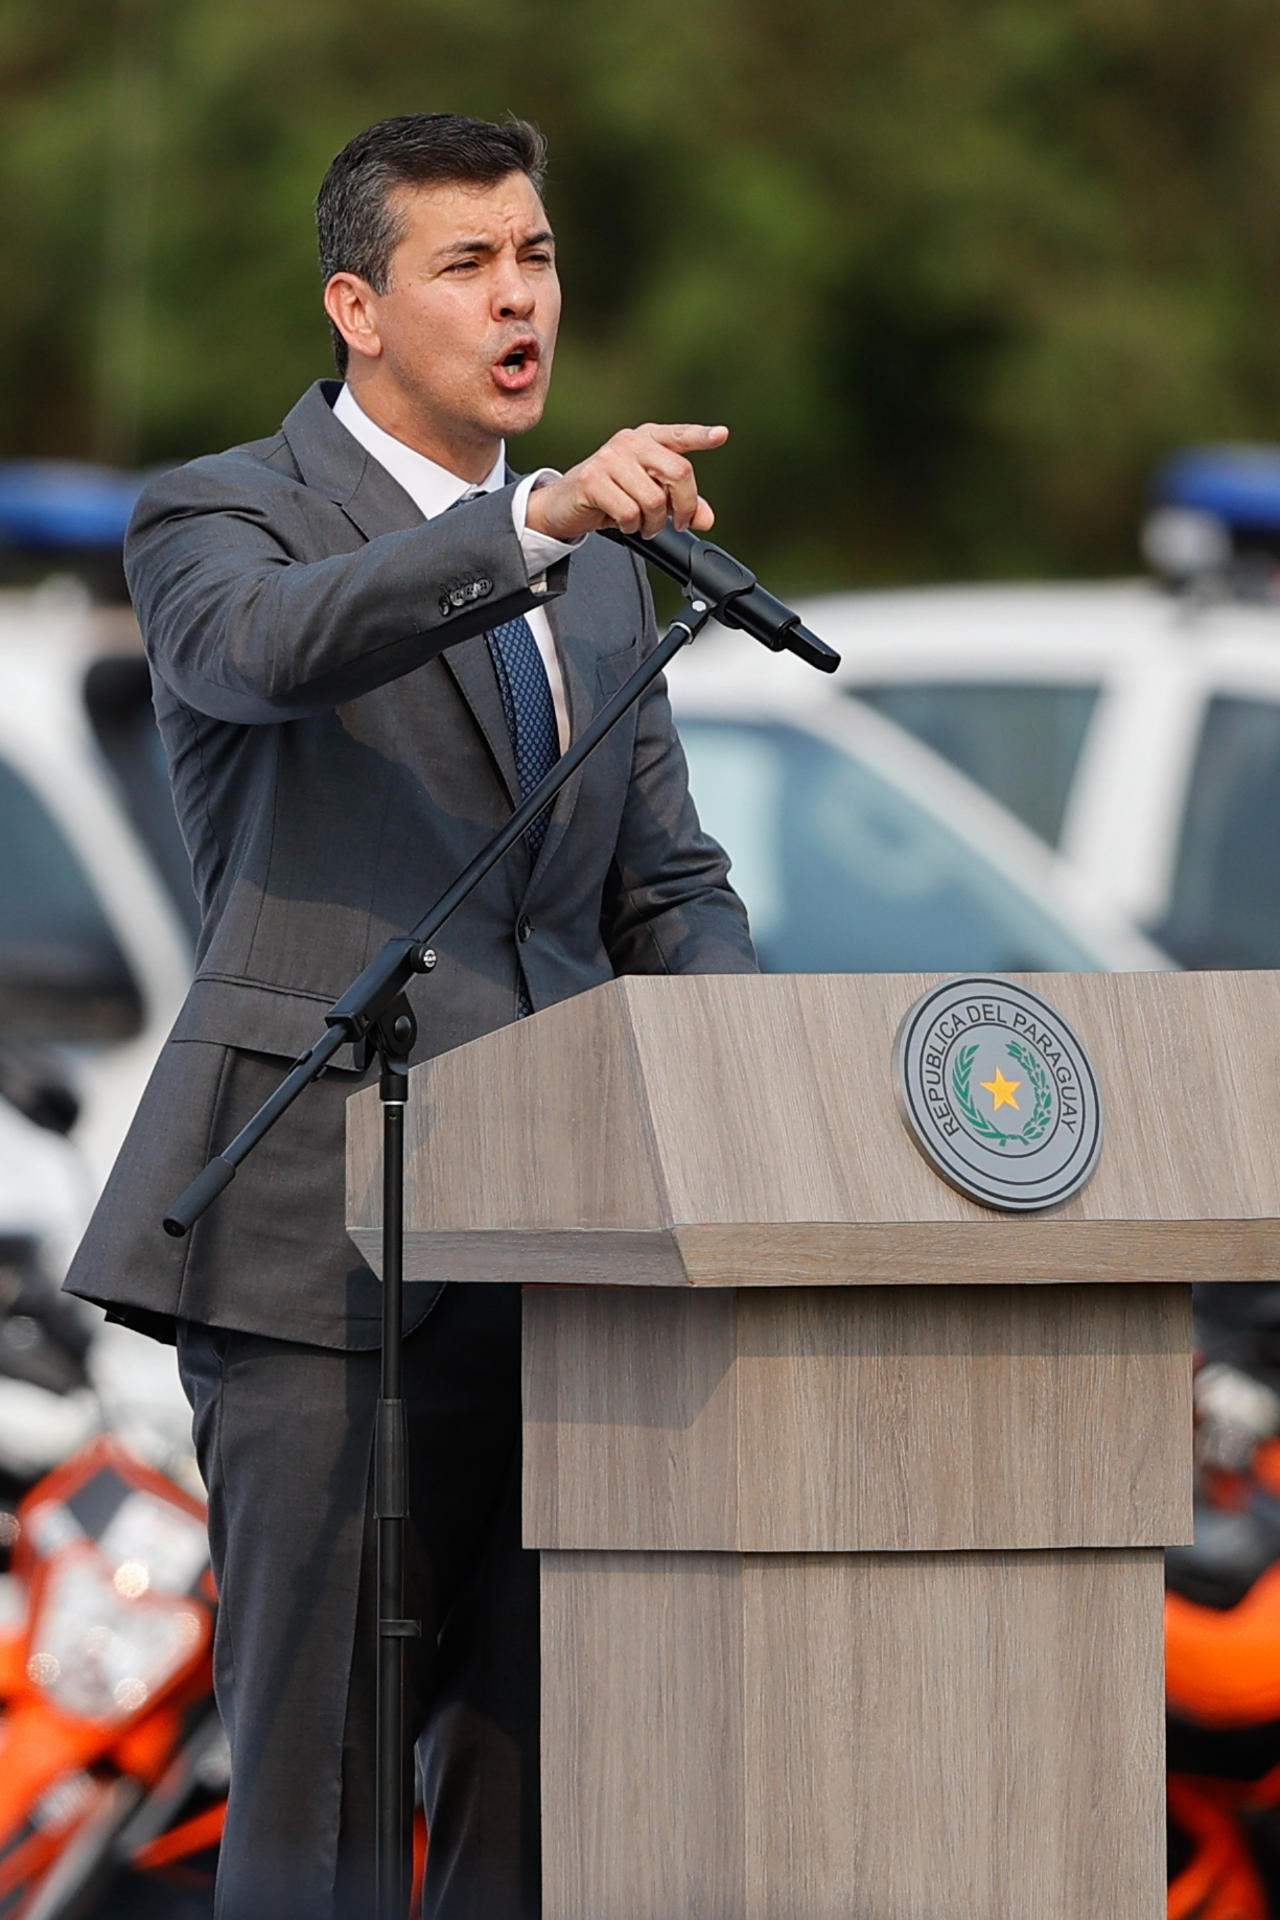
(333, 461)
(471, 665)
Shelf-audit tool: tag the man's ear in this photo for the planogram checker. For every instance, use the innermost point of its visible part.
(351, 304)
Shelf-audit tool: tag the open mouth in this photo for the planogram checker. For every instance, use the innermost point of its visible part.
(518, 367)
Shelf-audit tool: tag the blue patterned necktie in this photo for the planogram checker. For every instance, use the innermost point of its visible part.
(530, 711)
(531, 722)
(526, 701)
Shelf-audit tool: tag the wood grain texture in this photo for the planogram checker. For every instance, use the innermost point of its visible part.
(1036, 1250)
(734, 1130)
(538, 1125)
(905, 1737)
(642, 1735)
(874, 1419)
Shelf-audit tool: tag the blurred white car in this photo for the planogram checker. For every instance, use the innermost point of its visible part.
(857, 849)
(1137, 731)
(95, 956)
(1134, 726)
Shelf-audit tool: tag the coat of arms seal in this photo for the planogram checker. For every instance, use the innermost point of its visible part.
(999, 1094)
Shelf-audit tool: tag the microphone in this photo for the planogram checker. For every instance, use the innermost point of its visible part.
(707, 572)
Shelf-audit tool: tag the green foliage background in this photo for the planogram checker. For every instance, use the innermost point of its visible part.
(957, 272)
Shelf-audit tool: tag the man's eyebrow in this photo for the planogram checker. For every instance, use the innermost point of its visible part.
(538, 239)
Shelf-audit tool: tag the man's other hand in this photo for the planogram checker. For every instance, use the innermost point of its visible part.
(637, 481)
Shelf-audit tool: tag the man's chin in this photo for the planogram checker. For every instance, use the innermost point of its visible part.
(521, 421)
(518, 413)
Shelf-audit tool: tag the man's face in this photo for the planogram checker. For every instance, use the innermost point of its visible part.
(459, 353)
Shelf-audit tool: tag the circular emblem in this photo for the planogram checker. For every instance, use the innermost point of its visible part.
(998, 1094)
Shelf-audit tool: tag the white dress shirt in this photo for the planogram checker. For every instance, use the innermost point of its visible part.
(433, 490)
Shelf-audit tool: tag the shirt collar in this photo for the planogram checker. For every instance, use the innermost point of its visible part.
(431, 487)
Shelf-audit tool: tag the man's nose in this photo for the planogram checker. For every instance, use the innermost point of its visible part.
(514, 293)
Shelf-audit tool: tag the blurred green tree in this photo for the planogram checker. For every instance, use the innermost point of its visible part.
(957, 272)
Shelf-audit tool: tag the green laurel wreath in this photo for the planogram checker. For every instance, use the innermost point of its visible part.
(1041, 1113)
(1037, 1074)
(960, 1083)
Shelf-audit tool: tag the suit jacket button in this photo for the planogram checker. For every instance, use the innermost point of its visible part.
(524, 927)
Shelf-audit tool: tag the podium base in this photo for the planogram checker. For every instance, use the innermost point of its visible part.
(904, 1736)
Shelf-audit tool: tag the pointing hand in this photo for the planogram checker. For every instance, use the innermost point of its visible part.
(636, 481)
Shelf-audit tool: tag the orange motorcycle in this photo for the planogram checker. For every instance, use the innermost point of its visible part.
(112, 1763)
(1222, 1657)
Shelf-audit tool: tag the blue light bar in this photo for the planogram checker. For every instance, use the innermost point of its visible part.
(59, 504)
(1238, 484)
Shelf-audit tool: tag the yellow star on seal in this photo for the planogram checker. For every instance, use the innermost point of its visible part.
(1002, 1092)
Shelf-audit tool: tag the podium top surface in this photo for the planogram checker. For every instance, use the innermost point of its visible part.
(739, 1130)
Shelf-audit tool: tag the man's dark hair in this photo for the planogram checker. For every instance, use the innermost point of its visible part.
(359, 227)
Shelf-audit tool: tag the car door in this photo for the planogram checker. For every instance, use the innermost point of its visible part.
(856, 852)
(1221, 904)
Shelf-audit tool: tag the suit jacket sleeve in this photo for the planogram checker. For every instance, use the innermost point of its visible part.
(250, 615)
(668, 905)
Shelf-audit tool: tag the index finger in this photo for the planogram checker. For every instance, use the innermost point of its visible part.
(688, 438)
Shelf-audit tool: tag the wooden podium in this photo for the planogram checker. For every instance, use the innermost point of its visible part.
(850, 1493)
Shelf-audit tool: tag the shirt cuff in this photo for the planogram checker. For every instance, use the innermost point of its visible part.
(539, 549)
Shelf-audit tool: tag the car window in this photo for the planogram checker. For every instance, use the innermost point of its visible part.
(1224, 906)
(1020, 743)
(843, 872)
(62, 973)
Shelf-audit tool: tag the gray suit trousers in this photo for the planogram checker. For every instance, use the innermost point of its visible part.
(284, 1435)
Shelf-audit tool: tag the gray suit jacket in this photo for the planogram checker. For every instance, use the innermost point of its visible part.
(338, 752)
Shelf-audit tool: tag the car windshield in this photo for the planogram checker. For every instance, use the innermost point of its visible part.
(843, 872)
(1225, 903)
(1021, 743)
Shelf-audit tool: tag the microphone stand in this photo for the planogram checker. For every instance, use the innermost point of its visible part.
(374, 1015)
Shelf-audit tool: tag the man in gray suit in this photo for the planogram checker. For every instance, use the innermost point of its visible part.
(354, 687)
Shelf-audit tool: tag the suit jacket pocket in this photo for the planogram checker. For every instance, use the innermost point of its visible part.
(613, 668)
(256, 1017)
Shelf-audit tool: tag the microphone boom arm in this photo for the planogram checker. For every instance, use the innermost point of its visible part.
(731, 590)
